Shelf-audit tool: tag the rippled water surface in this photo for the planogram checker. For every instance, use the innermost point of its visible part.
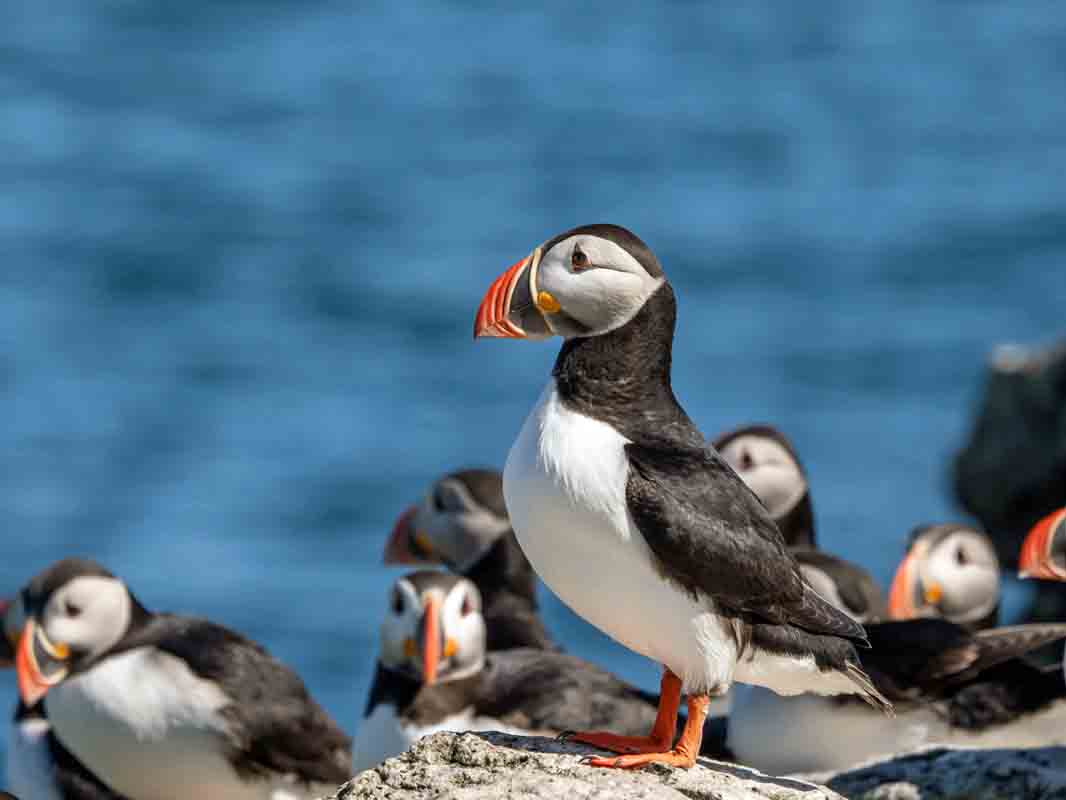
(243, 243)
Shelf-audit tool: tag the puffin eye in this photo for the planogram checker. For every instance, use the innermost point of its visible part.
(468, 606)
(961, 558)
(70, 609)
(746, 461)
(397, 601)
(438, 501)
(579, 260)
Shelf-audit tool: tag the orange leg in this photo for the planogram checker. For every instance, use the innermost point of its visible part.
(662, 732)
(684, 752)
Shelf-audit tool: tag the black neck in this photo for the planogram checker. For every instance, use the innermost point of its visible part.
(504, 569)
(623, 377)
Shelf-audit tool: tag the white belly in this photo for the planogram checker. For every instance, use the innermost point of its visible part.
(809, 733)
(150, 729)
(29, 761)
(564, 485)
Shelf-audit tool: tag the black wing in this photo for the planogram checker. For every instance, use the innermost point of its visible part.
(713, 537)
(275, 725)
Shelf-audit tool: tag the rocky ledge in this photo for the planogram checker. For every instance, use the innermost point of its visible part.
(494, 766)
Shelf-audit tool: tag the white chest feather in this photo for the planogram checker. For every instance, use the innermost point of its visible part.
(565, 487)
(151, 729)
(29, 761)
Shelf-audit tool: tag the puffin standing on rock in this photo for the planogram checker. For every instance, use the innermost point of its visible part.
(631, 519)
(462, 525)
(164, 707)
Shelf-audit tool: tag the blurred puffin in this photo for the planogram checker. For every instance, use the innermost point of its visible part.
(768, 463)
(462, 524)
(38, 766)
(949, 571)
(162, 707)
(1043, 553)
(434, 674)
(631, 519)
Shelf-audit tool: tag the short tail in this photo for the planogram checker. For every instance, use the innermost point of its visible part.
(868, 691)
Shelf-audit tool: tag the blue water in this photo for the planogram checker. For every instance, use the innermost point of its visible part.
(242, 245)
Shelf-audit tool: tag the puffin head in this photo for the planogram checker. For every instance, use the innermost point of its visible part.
(767, 462)
(433, 630)
(461, 517)
(949, 571)
(1043, 552)
(66, 619)
(585, 282)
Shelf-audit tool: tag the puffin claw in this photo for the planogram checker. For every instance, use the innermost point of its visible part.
(564, 736)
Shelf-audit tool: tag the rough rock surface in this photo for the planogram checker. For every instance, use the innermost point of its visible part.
(1012, 471)
(478, 766)
(949, 774)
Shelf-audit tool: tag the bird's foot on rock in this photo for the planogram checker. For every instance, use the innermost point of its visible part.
(615, 743)
(673, 758)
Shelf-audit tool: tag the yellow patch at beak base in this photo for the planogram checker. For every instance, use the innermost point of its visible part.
(451, 647)
(409, 647)
(546, 303)
(933, 593)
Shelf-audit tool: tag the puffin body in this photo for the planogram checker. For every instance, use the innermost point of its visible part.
(434, 674)
(161, 706)
(462, 524)
(631, 519)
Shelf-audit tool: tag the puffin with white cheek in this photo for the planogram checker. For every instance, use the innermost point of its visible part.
(38, 766)
(631, 519)
(462, 524)
(949, 571)
(768, 463)
(434, 674)
(162, 707)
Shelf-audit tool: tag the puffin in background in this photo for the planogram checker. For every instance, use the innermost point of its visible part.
(163, 707)
(462, 524)
(949, 571)
(434, 673)
(38, 766)
(768, 463)
(1043, 553)
(631, 519)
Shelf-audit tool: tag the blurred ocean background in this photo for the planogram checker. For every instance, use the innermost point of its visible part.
(242, 245)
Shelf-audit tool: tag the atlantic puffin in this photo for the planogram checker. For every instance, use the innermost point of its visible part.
(461, 523)
(38, 766)
(949, 571)
(434, 673)
(162, 707)
(631, 519)
(767, 461)
(949, 685)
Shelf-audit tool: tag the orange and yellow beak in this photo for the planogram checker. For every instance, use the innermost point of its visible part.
(908, 586)
(398, 547)
(433, 646)
(513, 307)
(1035, 560)
(39, 663)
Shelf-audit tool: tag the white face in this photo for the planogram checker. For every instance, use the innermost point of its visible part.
(462, 627)
(598, 285)
(769, 470)
(88, 614)
(458, 530)
(963, 570)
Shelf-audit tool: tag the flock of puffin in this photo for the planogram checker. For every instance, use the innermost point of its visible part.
(699, 555)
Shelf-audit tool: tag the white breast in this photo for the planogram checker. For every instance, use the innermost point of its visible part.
(29, 762)
(565, 488)
(151, 729)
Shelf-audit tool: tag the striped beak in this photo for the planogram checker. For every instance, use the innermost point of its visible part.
(910, 593)
(398, 548)
(1047, 537)
(39, 663)
(513, 308)
(431, 643)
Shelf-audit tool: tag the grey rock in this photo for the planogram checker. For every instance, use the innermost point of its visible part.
(479, 766)
(959, 774)
(1012, 471)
